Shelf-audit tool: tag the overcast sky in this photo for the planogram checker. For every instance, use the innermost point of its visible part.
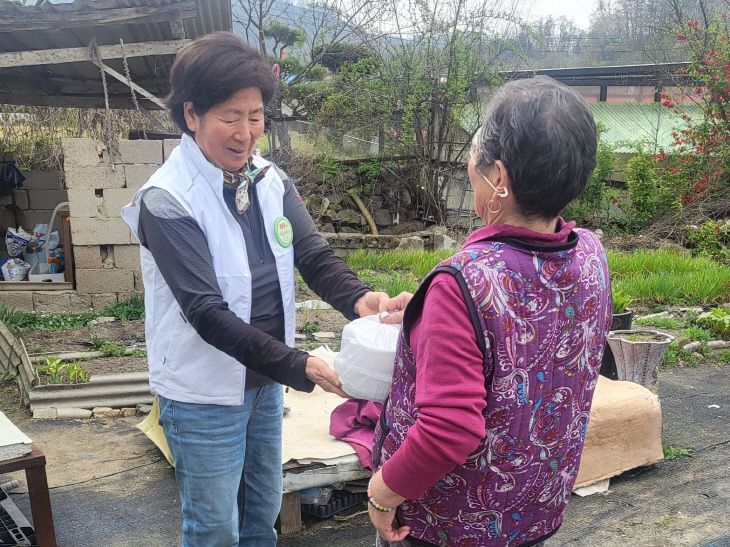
(577, 10)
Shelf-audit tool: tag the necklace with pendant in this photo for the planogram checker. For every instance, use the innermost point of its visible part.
(243, 179)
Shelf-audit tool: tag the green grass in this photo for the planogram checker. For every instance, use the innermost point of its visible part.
(671, 452)
(660, 322)
(697, 334)
(666, 277)
(126, 310)
(394, 272)
(725, 357)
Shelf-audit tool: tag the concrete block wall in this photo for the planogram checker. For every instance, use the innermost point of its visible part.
(106, 253)
(41, 192)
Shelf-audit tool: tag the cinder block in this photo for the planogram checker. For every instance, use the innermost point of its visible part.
(103, 281)
(101, 301)
(61, 302)
(46, 199)
(136, 175)
(87, 257)
(21, 199)
(44, 413)
(115, 199)
(83, 203)
(37, 216)
(18, 300)
(168, 145)
(127, 257)
(70, 413)
(93, 177)
(96, 231)
(42, 180)
(81, 152)
(140, 151)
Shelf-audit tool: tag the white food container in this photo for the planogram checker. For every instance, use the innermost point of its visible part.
(365, 362)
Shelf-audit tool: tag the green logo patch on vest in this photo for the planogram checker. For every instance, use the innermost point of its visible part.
(283, 231)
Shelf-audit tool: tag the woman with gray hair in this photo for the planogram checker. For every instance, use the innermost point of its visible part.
(480, 439)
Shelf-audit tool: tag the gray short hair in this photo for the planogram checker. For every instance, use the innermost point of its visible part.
(545, 135)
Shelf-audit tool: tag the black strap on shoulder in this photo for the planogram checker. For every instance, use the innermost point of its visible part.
(415, 306)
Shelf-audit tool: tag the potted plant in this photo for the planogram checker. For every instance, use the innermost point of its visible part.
(638, 353)
(622, 314)
(621, 319)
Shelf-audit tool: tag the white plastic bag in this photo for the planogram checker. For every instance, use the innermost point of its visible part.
(39, 235)
(365, 362)
(15, 269)
(16, 240)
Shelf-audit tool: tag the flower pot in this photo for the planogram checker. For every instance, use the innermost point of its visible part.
(623, 320)
(637, 360)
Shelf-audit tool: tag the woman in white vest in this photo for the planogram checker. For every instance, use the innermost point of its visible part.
(221, 231)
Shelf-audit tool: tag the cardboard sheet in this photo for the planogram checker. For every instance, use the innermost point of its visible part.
(624, 431)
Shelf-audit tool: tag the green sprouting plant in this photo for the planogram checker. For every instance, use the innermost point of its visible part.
(717, 321)
(53, 369)
(621, 301)
(660, 322)
(310, 327)
(77, 374)
(112, 349)
(139, 353)
(697, 334)
(671, 356)
(127, 310)
(671, 452)
(725, 357)
(8, 379)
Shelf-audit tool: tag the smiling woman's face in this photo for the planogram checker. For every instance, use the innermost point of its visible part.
(228, 132)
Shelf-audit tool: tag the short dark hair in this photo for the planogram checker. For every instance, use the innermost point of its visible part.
(213, 68)
(545, 135)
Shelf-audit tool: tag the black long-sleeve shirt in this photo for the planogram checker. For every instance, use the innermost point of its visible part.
(180, 250)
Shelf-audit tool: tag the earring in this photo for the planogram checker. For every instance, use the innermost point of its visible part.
(489, 206)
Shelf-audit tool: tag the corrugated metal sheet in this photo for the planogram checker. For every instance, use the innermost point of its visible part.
(629, 123)
(114, 390)
(106, 21)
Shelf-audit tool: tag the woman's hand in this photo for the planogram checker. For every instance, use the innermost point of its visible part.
(370, 303)
(321, 374)
(384, 521)
(395, 307)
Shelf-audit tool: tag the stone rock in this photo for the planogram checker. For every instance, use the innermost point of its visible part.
(127, 411)
(143, 410)
(349, 230)
(312, 305)
(102, 320)
(323, 336)
(382, 217)
(69, 413)
(45, 414)
(682, 341)
(105, 412)
(410, 243)
(438, 229)
(298, 336)
(348, 216)
(671, 246)
(443, 241)
(599, 233)
(327, 228)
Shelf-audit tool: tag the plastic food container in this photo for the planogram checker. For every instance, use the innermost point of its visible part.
(365, 362)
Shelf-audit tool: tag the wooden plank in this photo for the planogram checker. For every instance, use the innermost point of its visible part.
(68, 254)
(290, 516)
(28, 286)
(111, 16)
(134, 86)
(79, 54)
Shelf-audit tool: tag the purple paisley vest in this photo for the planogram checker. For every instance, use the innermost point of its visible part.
(541, 314)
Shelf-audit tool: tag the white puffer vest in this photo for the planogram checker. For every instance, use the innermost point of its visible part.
(183, 367)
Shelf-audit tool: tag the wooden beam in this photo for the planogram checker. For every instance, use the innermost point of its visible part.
(79, 54)
(75, 18)
(113, 73)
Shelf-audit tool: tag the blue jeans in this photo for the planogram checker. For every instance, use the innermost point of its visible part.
(227, 467)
